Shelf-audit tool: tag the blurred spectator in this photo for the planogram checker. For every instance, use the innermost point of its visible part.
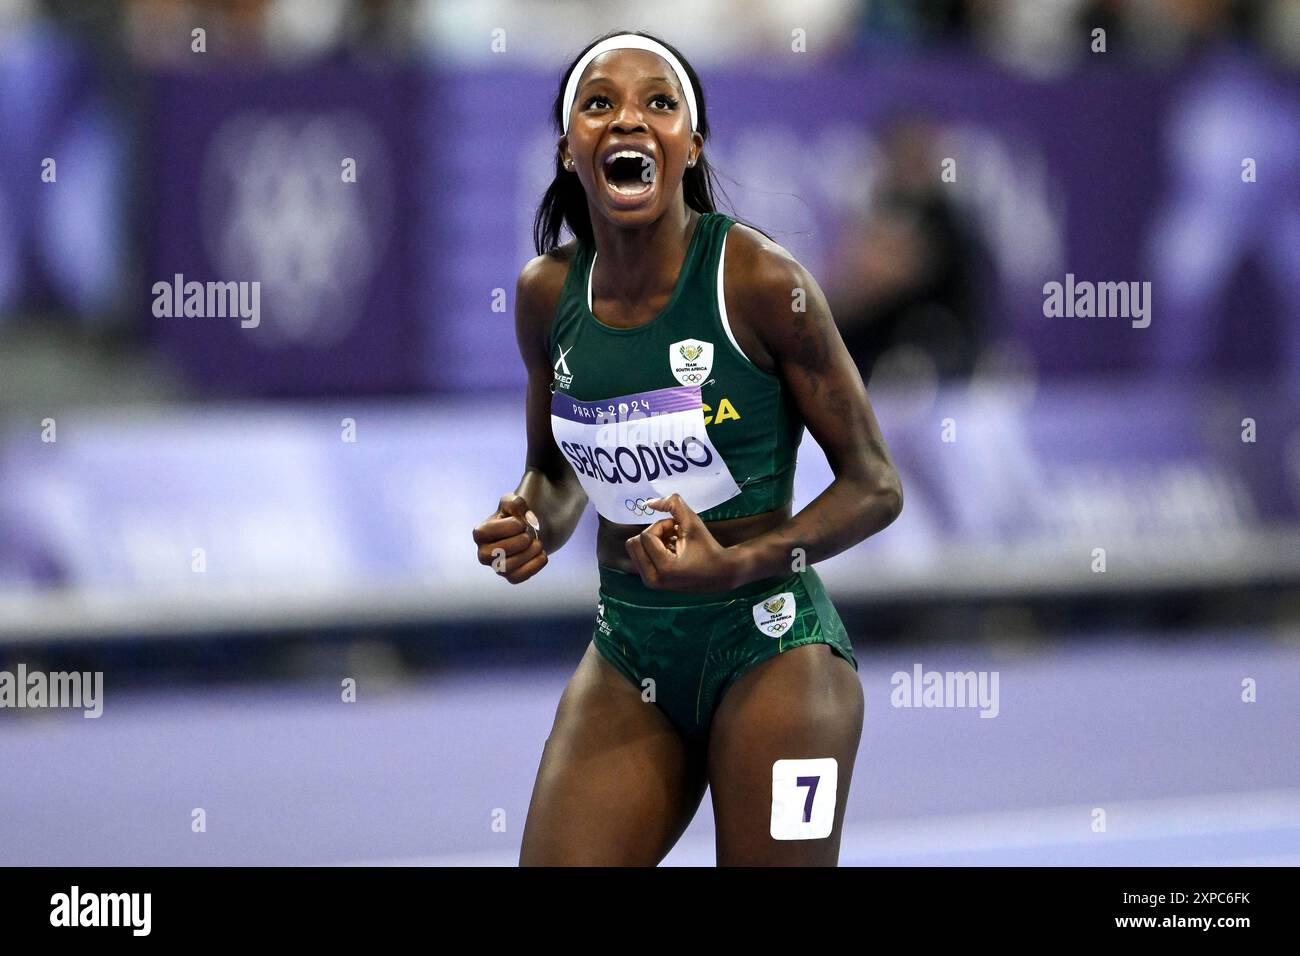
(908, 275)
(1033, 36)
(550, 32)
(159, 31)
(888, 23)
(1044, 37)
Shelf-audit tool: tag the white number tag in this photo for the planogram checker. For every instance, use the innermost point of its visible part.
(803, 798)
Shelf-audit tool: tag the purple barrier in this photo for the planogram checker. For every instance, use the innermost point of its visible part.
(247, 514)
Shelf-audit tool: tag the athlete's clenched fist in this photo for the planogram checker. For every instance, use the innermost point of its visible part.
(510, 541)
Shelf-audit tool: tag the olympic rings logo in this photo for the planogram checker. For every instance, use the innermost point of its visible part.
(636, 506)
(690, 378)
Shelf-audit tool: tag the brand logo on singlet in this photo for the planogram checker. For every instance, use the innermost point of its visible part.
(774, 615)
(563, 377)
(690, 360)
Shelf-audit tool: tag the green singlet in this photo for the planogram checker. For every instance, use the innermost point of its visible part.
(675, 405)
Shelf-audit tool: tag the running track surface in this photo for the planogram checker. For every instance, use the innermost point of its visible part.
(1153, 732)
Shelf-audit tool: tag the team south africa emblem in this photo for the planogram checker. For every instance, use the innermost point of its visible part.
(774, 616)
(690, 360)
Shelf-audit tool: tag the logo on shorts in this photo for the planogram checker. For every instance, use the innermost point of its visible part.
(690, 360)
(600, 620)
(774, 615)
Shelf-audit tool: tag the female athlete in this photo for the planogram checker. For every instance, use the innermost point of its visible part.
(674, 357)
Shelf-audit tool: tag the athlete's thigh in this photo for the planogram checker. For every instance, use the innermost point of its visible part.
(617, 785)
(803, 704)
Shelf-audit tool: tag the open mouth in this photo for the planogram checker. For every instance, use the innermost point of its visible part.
(629, 173)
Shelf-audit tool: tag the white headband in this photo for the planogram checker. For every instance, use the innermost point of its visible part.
(627, 41)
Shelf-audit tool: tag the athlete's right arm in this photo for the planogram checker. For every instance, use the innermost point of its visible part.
(549, 488)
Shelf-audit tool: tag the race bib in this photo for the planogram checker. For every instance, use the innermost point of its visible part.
(632, 448)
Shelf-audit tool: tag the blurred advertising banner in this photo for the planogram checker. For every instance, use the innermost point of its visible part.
(263, 517)
(404, 278)
(279, 259)
(1116, 175)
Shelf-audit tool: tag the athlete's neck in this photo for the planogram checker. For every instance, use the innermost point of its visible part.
(635, 264)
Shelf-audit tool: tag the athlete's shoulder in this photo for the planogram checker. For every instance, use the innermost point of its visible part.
(541, 281)
(760, 273)
(543, 276)
(537, 297)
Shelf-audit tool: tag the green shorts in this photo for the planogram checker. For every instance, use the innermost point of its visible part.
(683, 650)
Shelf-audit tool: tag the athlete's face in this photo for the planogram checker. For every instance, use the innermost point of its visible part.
(630, 139)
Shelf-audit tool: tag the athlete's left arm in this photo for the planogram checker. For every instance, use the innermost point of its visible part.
(785, 310)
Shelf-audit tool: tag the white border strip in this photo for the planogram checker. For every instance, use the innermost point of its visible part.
(961, 574)
(722, 302)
